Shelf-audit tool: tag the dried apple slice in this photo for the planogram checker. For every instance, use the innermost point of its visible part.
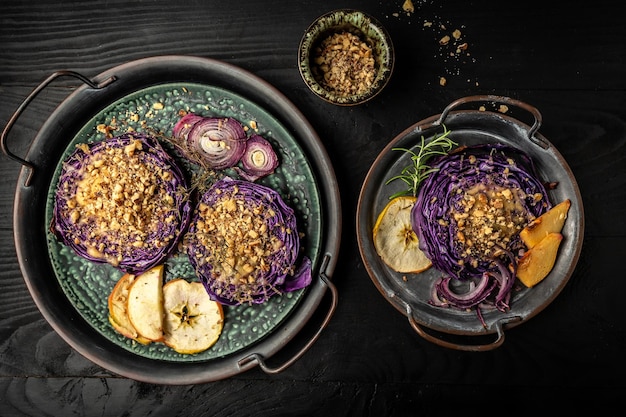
(193, 322)
(394, 239)
(118, 309)
(145, 304)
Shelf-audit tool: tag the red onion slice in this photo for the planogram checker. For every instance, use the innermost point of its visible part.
(471, 298)
(184, 125)
(258, 160)
(218, 142)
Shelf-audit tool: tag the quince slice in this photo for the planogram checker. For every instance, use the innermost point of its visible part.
(537, 262)
(549, 222)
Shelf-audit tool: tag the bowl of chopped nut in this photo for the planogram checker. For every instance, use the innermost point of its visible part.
(346, 57)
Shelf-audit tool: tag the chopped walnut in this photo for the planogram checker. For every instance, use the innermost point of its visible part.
(123, 198)
(408, 7)
(344, 64)
(490, 215)
(239, 237)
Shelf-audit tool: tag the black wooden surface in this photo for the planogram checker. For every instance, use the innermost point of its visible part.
(566, 59)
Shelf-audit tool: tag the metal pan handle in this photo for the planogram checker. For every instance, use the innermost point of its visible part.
(467, 347)
(504, 100)
(26, 102)
(258, 358)
(499, 324)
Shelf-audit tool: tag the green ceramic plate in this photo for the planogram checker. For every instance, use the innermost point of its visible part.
(157, 108)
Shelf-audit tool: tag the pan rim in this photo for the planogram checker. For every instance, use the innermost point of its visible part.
(173, 68)
(402, 300)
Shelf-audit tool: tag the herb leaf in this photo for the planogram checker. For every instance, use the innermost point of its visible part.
(414, 174)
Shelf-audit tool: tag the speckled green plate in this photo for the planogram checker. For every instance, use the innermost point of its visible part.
(158, 108)
(153, 101)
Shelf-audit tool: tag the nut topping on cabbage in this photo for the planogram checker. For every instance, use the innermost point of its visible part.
(243, 243)
(470, 210)
(121, 201)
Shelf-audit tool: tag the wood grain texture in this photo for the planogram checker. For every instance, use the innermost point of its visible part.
(368, 361)
(113, 397)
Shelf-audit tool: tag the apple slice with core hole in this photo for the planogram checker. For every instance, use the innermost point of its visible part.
(394, 239)
(193, 322)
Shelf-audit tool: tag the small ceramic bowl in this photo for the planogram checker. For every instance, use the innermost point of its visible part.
(369, 32)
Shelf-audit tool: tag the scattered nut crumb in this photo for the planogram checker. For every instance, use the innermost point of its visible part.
(158, 106)
(503, 108)
(408, 6)
(442, 81)
(454, 49)
(107, 129)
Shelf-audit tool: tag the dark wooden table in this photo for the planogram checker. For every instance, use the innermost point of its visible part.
(568, 60)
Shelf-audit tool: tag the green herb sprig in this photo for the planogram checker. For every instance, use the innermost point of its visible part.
(417, 172)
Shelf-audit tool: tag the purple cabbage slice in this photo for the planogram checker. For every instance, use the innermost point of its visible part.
(243, 243)
(122, 201)
(470, 210)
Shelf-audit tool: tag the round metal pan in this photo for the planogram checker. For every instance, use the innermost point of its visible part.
(65, 303)
(410, 293)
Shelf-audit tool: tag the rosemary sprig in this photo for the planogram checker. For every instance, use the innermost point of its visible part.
(414, 174)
